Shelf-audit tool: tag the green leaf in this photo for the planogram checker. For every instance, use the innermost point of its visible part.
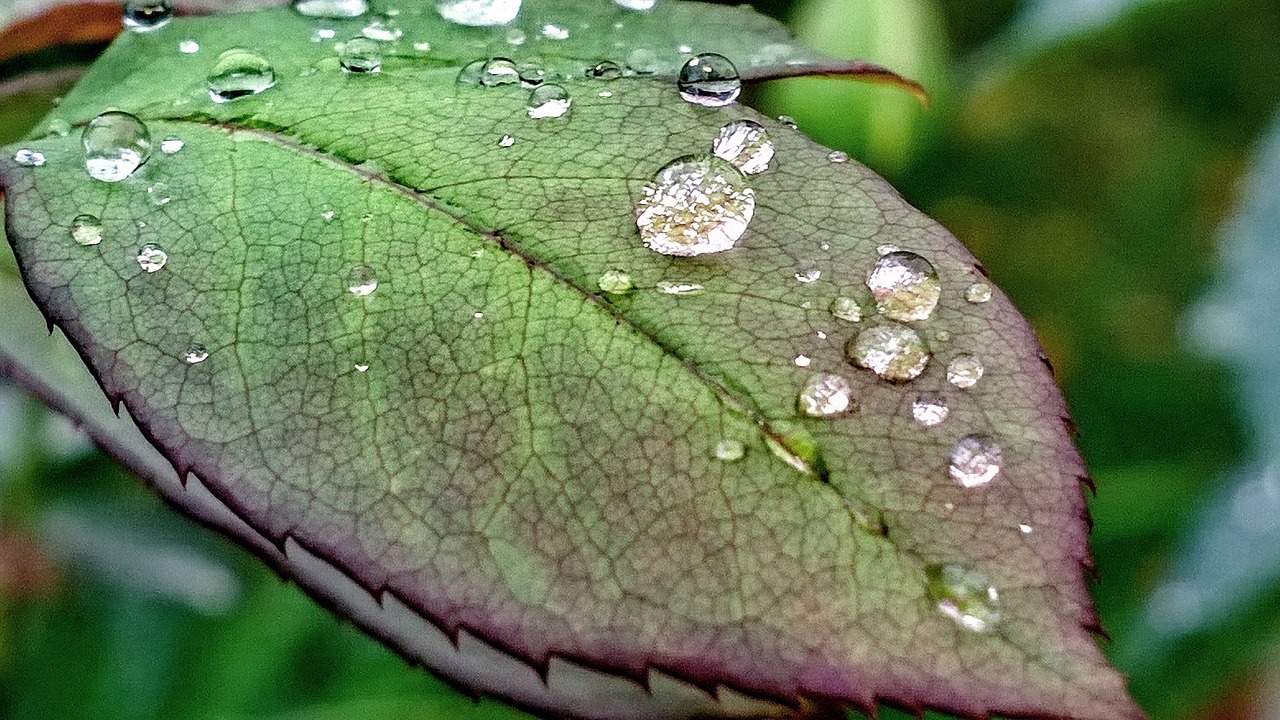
(510, 476)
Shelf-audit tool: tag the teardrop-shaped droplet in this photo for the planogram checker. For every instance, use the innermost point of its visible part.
(894, 352)
(115, 144)
(333, 9)
(239, 73)
(637, 5)
(195, 354)
(171, 145)
(975, 460)
(826, 395)
(930, 409)
(605, 70)
(965, 370)
(152, 258)
(709, 80)
(548, 102)
(847, 309)
(86, 229)
(479, 13)
(499, 71)
(361, 55)
(729, 451)
(746, 144)
(616, 282)
(27, 157)
(965, 596)
(978, 293)
(695, 205)
(362, 281)
(905, 286)
(144, 15)
(382, 28)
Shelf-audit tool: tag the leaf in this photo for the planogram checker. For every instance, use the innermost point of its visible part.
(519, 490)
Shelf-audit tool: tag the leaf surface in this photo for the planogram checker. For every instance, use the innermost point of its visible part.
(526, 462)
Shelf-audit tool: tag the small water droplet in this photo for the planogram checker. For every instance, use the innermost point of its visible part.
(978, 293)
(361, 55)
(499, 71)
(59, 127)
(115, 144)
(472, 72)
(239, 73)
(321, 33)
(548, 102)
(1025, 529)
(506, 141)
(554, 32)
(929, 410)
(838, 156)
(709, 80)
(152, 258)
(975, 460)
(86, 229)
(964, 371)
(886, 248)
(605, 70)
(328, 215)
(605, 94)
(615, 282)
(729, 450)
(826, 395)
(195, 355)
(171, 145)
(905, 286)
(27, 157)
(894, 352)
(362, 281)
(479, 13)
(847, 309)
(188, 47)
(965, 596)
(477, 315)
(532, 74)
(158, 194)
(746, 144)
(333, 9)
(821, 335)
(516, 37)
(694, 206)
(807, 272)
(669, 287)
(787, 121)
(803, 361)
(382, 28)
(422, 46)
(362, 367)
(643, 61)
(942, 336)
(637, 5)
(146, 15)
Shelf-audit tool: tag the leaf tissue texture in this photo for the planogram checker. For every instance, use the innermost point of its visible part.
(540, 479)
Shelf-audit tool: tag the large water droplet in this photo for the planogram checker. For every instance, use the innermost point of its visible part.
(195, 354)
(929, 409)
(894, 352)
(479, 13)
(616, 282)
(361, 55)
(638, 5)
(144, 15)
(965, 596)
(826, 395)
(746, 144)
(964, 371)
(709, 80)
(975, 460)
(729, 450)
(152, 258)
(115, 144)
(605, 70)
(847, 309)
(86, 229)
(978, 293)
(239, 73)
(27, 157)
(331, 8)
(362, 281)
(905, 286)
(548, 101)
(696, 205)
(499, 71)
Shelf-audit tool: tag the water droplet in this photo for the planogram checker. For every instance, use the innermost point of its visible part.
(975, 460)
(422, 46)
(643, 61)
(472, 72)
(152, 257)
(362, 367)
(548, 102)
(362, 281)
(787, 121)
(532, 74)
(615, 282)
(171, 145)
(838, 156)
(320, 34)
(195, 354)
(479, 13)
(965, 596)
(729, 450)
(239, 73)
(803, 361)
(188, 47)
(929, 409)
(807, 272)
(86, 229)
(709, 80)
(826, 395)
(637, 5)
(499, 71)
(695, 205)
(905, 286)
(477, 315)
(331, 8)
(328, 215)
(115, 144)
(605, 70)
(382, 28)
(158, 194)
(1025, 529)
(554, 32)
(746, 144)
(361, 55)
(821, 335)
(964, 371)
(29, 158)
(978, 293)
(847, 309)
(886, 248)
(506, 141)
(670, 287)
(145, 15)
(59, 127)
(894, 352)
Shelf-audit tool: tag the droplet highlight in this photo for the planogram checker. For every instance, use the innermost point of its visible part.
(605, 70)
(894, 352)
(825, 396)
(709, 80)
(975, 460)
(696, 205)
(905, 286)
(965, 596)
(499, 71)
(637, 5)
(239, 73)
(746, 144)
(188, 47)
(115, 145)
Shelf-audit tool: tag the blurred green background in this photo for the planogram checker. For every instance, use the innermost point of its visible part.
(1116, 166)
